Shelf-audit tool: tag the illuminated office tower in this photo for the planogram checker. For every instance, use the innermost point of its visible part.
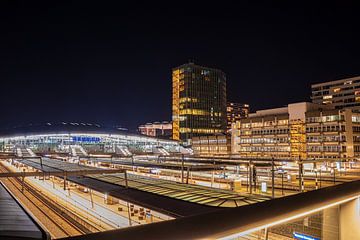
(198, 101)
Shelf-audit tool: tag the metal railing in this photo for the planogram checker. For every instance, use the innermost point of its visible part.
(233, 222)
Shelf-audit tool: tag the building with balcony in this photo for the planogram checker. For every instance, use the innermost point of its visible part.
(157, 129)
(343, 93)
(298, 131)
(235, 112)
(198, 101)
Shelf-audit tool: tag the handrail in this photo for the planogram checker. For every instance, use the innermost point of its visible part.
(232, 222)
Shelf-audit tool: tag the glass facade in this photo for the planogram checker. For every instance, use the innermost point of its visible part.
(198, 101)
(98, 142)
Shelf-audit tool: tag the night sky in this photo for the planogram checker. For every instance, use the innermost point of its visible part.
(111, 63)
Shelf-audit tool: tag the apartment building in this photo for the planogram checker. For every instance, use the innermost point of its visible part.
(298, 131)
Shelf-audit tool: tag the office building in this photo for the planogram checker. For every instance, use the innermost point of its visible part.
(157, 129)
(343, 93)
(218, 144)
(235, 112)
(298, 131)
(198, 102)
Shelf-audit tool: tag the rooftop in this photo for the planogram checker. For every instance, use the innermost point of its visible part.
(15, 222)
(169, 197)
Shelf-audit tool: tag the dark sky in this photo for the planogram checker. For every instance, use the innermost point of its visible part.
(111, 63)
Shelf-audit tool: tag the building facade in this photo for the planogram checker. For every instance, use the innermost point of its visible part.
(198, 102)
(344, 93)
(298, 131)
(157, 129)
(219, 144)
(235, 112)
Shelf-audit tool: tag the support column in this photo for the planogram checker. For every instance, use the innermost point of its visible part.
(212, 178)
(266, 234)
(64, 181)
(250, 177)
(187, 175)
(349, 220)
(301, 179)
(129, 215)
(182, 169)
(272, 178)
(330, 223)
(53, 181)
(91, 198)
(126, 179)
(23, 181)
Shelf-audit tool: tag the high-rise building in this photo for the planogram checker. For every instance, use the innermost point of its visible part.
(298, 131)
(343, 93)
(235, 112)
(198, 101)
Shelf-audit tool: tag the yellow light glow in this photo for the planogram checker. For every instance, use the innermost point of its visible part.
(288, 218)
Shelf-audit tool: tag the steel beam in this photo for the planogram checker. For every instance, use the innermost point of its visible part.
(61, 174)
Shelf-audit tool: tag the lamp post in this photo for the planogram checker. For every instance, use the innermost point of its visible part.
(320, 177)
(301, 180)
(272, 178)
(282, 183)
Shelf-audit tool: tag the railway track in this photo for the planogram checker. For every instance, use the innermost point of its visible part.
(59, 221)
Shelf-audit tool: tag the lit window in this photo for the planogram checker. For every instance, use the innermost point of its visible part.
(328, 97)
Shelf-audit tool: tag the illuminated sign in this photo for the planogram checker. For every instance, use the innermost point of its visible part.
(303, 236)
(86, 139)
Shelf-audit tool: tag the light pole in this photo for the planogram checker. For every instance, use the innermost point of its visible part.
(301, 181)
(182, 169)
(282, 183)
(250, 177)
(272, 178)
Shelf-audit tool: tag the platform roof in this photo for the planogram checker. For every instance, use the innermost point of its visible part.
(49, 165)
(160, 165)
(15, 222)
(166, 205)
(169, 197)
(185, 192)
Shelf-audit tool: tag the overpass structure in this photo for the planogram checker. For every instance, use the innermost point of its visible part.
(328, 214)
